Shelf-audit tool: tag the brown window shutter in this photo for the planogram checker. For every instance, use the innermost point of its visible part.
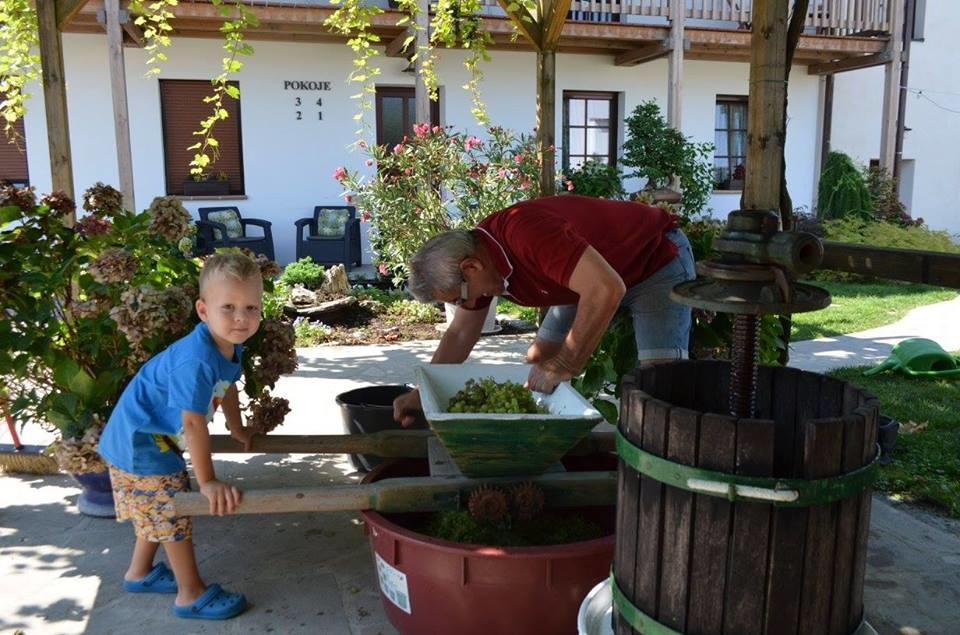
(182, 109)
(13, 159)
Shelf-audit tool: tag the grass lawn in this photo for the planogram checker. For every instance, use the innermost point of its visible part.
(858, 306)
(926, 463)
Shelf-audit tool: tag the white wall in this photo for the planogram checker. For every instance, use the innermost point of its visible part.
(931, 186)
(288, 164)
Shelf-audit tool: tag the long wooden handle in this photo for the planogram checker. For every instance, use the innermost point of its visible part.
(386, 443)
(415, 494)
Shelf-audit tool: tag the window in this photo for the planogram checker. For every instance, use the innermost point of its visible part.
(13, 157)
(396, 114)
(730, 139)
(182, 108)
(589, 128)
(919, 18)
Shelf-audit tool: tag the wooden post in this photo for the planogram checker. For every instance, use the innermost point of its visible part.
(765, 114)
(546, 119)
(674, 83)
(118, 88)
(421, 96)
(55, 101)
(891, 90)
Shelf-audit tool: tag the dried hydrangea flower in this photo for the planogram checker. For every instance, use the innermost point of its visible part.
(59, 202)
(22, 197)
(267, 412)
(277, 354)
(102, 199)
(169, 218)
(113, 265)
(91, 225)
(268, 268)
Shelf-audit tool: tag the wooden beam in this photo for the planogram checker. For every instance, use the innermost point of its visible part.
(907, 265)
(891, 91)
(411, 494)
(55, 101)
(546, 119)
(386, 443)
(398, 46)
(555, 21)
(528, 26)
(678, 9)
(66, 9)
(766, 125)
(646, 53)
(134, 32)
(849, 64)
(118, 89)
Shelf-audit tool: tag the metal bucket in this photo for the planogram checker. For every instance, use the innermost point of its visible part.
(596, 612)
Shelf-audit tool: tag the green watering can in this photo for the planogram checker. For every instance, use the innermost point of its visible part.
(919, 357)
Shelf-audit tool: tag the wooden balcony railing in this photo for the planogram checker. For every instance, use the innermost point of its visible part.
(824, 17)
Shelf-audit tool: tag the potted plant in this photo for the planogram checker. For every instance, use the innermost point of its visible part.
(87, 304)
(205, 184)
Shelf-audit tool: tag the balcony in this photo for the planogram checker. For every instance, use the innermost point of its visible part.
(631, 31)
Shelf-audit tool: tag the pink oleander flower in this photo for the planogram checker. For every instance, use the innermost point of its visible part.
(518, 158)
(501, 173)
(408, 171)
(471, 142)
(369, 162)
(421, 129)
(398, 147)
(340, 173)
(364, 216)
(569, 186)
(437, 129)
(348, 198)
(383, 269)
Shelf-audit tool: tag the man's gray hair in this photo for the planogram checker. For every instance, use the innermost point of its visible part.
(436, 266)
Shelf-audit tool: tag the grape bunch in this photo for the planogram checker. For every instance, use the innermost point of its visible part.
(487, 395)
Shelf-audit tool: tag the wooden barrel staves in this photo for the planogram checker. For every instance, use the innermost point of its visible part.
(767, 534)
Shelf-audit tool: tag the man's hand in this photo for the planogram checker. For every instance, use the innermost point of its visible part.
(546, 377)
(244, 434)
(223, 497)
(405, 408)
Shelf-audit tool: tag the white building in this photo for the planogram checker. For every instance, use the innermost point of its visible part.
(295, 111)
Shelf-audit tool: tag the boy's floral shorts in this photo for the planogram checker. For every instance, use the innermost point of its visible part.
(147, 502)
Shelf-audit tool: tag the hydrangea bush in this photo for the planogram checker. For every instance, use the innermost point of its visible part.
(86, 305)
(435, 180)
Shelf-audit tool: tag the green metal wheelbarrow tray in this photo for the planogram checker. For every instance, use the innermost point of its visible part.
(919, 357)
(484, 445)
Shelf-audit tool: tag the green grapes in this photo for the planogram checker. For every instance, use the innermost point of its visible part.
(489, 396)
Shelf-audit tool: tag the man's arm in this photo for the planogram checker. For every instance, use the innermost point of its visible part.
(223, 498)
(454, 348)
(600, 289)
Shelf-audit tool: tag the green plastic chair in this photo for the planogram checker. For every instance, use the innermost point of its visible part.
(919, 357)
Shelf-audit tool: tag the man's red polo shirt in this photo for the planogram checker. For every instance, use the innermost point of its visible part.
(537, 244)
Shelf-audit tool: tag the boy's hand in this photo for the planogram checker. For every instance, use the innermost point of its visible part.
(223, 497)
(244, 435)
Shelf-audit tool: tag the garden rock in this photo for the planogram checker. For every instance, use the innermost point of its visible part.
(335, 281)
(330, 312)
(302, 297)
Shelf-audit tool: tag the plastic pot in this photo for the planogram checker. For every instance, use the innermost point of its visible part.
(370, 409)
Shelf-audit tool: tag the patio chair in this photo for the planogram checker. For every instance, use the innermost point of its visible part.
(333, 236)
(225, 227)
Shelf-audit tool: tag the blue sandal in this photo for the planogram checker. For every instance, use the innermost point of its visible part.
(159, 580)
(214, 604)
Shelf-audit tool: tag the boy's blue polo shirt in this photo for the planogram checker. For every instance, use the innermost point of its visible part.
(191, 374)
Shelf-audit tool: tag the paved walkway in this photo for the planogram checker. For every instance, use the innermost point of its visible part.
(312, 573)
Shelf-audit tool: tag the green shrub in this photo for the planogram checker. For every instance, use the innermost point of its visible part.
(885, 198)
(311, 333)
(597, 179)
(883, 234)
(304, 271)
(657, 152)
(843, 191)
(274, 301)
(379, 295)
(413, 312)
(528, 313)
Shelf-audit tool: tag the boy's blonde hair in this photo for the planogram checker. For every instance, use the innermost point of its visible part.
(233, 265)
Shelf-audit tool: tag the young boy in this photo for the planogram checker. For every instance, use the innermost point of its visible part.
(173, 397)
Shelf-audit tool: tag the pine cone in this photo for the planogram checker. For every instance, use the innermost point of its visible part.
(527, 500)
(488, 504)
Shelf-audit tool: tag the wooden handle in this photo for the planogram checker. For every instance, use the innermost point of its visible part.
(415, 494)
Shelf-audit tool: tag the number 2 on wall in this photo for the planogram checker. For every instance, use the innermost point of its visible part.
(299, 115)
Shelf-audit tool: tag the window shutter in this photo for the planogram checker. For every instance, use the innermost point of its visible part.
(13, 159)
(182, 109)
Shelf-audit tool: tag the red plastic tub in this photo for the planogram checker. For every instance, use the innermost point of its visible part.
(437, 587)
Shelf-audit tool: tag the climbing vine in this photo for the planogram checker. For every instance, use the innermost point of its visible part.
(19, 61)
(153, 18)
(233, 28)
(453, 23)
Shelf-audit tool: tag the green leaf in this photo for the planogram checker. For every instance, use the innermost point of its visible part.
(608, 410)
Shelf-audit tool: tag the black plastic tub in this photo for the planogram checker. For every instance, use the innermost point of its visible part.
(370, 409)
